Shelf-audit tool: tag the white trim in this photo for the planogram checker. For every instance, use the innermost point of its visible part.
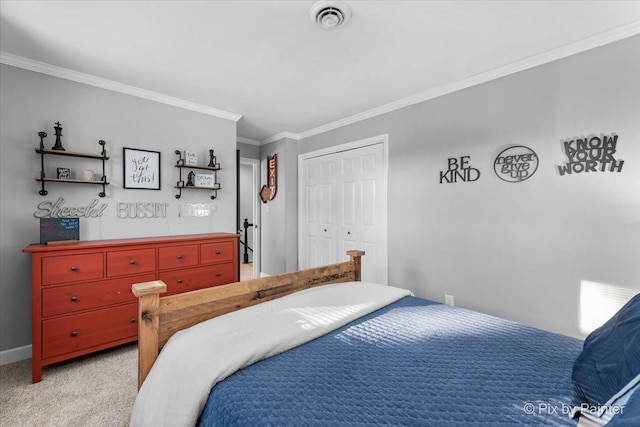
(379, 139)
(250, 141)
(88, 79)
(15, 355)
(593, 42)
(279, 136)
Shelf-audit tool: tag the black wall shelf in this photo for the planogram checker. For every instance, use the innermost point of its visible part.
(181, 185)
(44, 151)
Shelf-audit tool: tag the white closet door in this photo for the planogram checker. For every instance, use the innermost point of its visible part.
(361, 208)
(343, 207)
(319, 240)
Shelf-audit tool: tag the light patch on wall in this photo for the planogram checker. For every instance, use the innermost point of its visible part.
(599, 302)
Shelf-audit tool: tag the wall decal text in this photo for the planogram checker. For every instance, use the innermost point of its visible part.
(142, 210)
(591, 154)
(459, 171)
(197, 210)
(516, 163)
(49, 209)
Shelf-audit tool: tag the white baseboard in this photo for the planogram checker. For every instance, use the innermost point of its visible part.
(15, 355)
(264, 275)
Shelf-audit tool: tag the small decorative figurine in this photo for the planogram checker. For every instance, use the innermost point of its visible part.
(190, 179)
(42, 136)
(212, 159)
(58, 146)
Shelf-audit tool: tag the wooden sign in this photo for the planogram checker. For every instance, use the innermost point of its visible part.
(269, 191)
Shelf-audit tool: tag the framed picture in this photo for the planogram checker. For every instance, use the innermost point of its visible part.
(141, 169)
(203, 180)
(63, 173)
(190, 158)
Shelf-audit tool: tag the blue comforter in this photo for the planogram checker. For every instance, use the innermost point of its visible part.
(412, 363)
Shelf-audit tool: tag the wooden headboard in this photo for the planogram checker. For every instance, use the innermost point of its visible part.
(161, 317)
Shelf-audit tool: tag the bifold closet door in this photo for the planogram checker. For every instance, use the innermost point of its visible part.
(343, 209)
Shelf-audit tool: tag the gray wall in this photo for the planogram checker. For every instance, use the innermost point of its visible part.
(279, 217)
(32, 102)
(249, 151)
(516, 250)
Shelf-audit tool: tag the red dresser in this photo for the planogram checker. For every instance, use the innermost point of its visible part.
(81, 292)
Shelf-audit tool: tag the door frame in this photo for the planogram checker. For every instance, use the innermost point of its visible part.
(379, 139)
(255, 167)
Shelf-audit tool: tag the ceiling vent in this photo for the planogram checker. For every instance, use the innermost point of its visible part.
(330, 15)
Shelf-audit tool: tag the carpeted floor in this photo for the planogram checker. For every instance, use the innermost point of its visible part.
(94, 390)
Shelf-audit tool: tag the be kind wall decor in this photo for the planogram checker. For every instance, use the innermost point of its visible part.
(458, 170)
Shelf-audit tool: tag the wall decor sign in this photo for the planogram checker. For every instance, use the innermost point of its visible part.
(197, 210)
(204, 180)
(141, 169)
(63, 173)
(190, 158)
(591, 154)
(459, 170)
(268, 192)
(59, 230)
(49, 209)
(516, 163)
(142, 210)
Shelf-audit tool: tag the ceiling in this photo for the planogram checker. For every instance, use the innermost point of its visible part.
(269, 63)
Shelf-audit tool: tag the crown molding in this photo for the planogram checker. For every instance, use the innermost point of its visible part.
(250, 141)
(561, 52)
(281, 135)
(88, 79)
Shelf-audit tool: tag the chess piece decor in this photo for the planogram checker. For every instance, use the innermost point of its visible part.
(58, 145)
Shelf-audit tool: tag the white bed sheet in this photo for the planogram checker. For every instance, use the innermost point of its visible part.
(195, 359)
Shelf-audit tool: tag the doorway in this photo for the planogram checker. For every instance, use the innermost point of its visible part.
(343, 206)
(249, 210)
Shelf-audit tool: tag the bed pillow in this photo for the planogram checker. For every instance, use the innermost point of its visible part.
(621, 409)
(628, 413)
(610, 358)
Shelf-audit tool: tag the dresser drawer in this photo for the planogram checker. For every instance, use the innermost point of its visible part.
(197, 278)
(72, 268)
(80, 331)
(216, 252)
(120, 263)
(177, 256)
(85, 296)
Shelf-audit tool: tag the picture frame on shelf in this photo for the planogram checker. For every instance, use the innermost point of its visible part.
(63, 173)
(204, 180)
(190, 158)
(141, 169)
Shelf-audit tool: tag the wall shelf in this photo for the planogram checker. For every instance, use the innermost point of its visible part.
(44, 151)
(180, 185)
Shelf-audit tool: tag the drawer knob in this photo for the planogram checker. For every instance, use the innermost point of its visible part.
(218, 274)
(74, 268)
(133, 320)
(132, 262)
(179, 257)
(179, 280)
(74, 298)
(218, 252)
(74, 333)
